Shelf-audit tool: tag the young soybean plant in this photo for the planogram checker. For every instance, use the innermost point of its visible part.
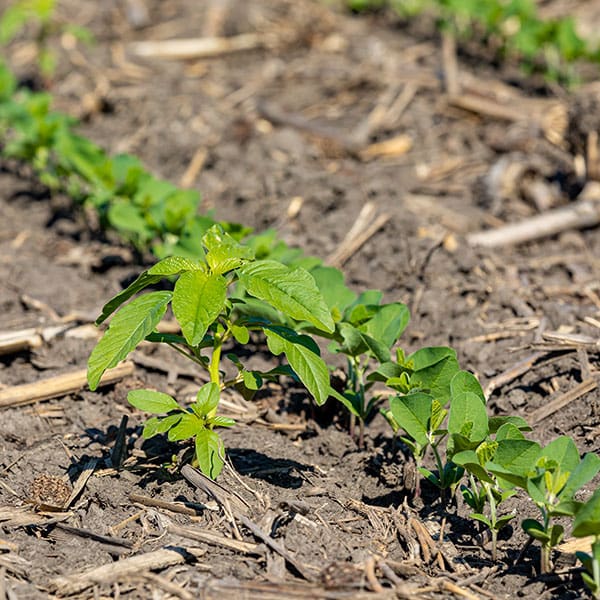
(587, 523)
(203, 305)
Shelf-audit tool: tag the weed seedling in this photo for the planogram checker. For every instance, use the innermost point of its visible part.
(202, 304)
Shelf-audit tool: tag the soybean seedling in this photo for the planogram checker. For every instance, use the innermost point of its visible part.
(202, 304)
(558, 474)
(587, 523)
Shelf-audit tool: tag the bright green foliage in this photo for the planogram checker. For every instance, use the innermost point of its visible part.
(558, 474)
(197, 421)
(365, 331)
(209, 320)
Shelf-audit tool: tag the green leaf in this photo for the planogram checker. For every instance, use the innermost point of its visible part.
(330, 282)
(292, 291)
(470, 461)
(173, 265)
(125, 217)
(515, 460)
(207, 399)
(220, 421)
(187, 427)
(386, 371)
(587, 520)
(128, 328)
(468, 417)
(152, 402)
(463, 381)
(413, 413)
(535, 530)
(252, 380)
(241, 334)
(345, 401)
(198, 299)
(151, 427)
(508, 431)
(303, 356)
(356, 342)
(209, 452)
(427, 357)
(165, 423)
(584, 472)
(436, 378)
(387, 324)
(482, 518)
(223, 253)
(564, 451)
(496, 423)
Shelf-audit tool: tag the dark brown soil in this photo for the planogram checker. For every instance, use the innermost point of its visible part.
(338, 510)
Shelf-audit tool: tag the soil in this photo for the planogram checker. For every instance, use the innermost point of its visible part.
(345, 515)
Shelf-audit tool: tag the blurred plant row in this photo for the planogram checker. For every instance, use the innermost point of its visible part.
(509, 28)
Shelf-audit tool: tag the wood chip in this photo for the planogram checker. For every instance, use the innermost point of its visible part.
(207, 47)
(61, 385)
(585, 387)
(116, 571)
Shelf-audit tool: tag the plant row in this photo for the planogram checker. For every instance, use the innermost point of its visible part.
(227, 292)
(511, 28)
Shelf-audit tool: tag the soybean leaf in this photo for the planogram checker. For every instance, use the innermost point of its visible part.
(385, 371)
(584, 472)
(564, 451)
(152, 402)
(346, 402)
(468, 417)
(470, 461)
(426, 357)
(436, 378)
(127, 329)
(209, 452)
(508, 431)
(515, 460)
(356, 342)
(172, 265)
(388, 323)
(330, 282)
(292, 291)
(207, 399)
(303, 355)
(413, 413)
(198, 299)
(536, 530)
(463, 381)
(496, 423)
(187, 427)
(587, 520)
(223, 252)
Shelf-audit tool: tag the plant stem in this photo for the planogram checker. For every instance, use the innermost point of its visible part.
(545, 566)
(215, 360)
(493, 519)
(186, 354)
(213, 369)
(596, 566)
